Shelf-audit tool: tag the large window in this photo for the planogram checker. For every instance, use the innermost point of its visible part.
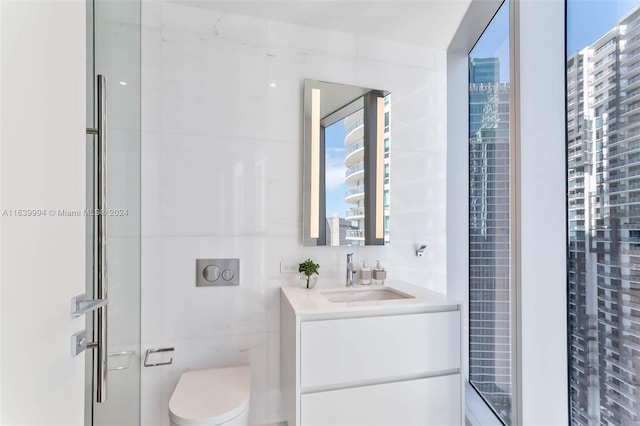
(603, 171)
(489, 217)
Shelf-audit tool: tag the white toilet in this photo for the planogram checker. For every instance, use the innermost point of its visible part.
(218, 396)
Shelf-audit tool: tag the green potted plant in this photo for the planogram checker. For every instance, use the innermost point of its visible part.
(308, 268)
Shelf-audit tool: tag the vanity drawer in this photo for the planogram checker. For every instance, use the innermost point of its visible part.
(425, 402)
(363, 349)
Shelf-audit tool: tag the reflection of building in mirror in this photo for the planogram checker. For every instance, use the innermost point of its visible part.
(335, 186)
(337, 231)
(345, 180)
(387, 166)
(354, 177)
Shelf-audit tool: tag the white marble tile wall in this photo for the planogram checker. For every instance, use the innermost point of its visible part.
(221, 177)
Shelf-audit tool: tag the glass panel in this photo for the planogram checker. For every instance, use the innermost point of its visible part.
(345, 177)
(489, 222)
(91, 239)
(344, 174)
(113, 34)
(346, 200)
(603, 170)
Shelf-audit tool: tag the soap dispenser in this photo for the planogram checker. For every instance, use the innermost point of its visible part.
(365, 274)
(379, 274)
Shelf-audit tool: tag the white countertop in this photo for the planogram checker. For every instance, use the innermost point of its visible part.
(311, 301)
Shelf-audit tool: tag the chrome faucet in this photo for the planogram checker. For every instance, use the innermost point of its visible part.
(351, 269)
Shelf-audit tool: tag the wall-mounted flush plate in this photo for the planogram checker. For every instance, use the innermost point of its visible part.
(217, 272)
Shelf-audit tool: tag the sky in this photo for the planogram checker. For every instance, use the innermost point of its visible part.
(587, 21)
(335, 169)
(494, 42)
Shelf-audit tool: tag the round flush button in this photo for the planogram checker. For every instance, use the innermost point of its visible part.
(211, 273)
(227, 275)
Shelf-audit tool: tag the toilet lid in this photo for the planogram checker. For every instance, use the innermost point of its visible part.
(214, 396)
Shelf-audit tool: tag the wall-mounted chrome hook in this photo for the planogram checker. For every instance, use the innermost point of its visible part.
(420, 251)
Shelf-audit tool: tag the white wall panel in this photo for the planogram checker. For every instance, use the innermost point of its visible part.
(42, 161)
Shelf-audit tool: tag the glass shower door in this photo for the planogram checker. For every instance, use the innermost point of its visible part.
(113, 51)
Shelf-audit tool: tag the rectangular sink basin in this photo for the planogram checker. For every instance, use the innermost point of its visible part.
(364, 295)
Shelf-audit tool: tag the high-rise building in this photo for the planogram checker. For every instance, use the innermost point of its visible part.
(354, 175)
(489, 238)
(483, 74)
(484, 70)
(336, 231)
(583, 327)
(603, 124)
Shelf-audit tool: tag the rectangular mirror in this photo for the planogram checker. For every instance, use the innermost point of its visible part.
(346, 165)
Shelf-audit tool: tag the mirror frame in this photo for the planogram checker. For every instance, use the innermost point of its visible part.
(317, 116)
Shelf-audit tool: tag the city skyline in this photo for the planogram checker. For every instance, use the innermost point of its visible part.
(603, 142)
(489, 217)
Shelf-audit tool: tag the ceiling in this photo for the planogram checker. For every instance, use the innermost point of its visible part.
(429, 23)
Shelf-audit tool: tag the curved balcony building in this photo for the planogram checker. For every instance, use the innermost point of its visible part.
(354, 176)
(354, 144)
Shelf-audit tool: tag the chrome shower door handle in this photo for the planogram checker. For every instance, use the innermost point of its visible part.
(100, 205)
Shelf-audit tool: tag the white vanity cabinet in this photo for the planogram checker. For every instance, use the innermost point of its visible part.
(370, 364)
